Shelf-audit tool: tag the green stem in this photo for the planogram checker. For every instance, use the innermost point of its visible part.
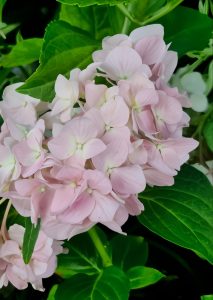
(160, 13)
(126, 13)
(199, 129)
(127, 22)
(100, 247)
(193, 66)
(126, 25)
(163, 11)
(198, 132)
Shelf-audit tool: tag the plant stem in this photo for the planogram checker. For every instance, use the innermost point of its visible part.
(3, 224)
(126, 25)
(126, 13)
(195, 64)
(163, 11)
(100, 247)
(202, 121)
(127, 21)
(160, 13)
(2, 200)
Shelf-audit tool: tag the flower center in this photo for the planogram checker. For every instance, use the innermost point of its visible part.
(73, 184)
(107, 127)
(36, 154)
(42, 189)
(79, 146)
(89, 190)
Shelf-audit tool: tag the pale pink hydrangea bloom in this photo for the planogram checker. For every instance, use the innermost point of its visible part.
(84, 158)
(42, 263)
(22, 110)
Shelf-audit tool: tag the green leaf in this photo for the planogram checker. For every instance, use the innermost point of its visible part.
(182, 213)
(141, 277)
(184, 35)
(79, 17)
(208, 133)
(93, 19)
(19, 37)
(30, 238)
(80, 259)
(63, 49)
(207, 297)
(92, 2)
(116, 19)
(5, 29)
(24, 53)
(129, 251)
(2, 4)
(143, 10)
(111, 283)
(51, 295)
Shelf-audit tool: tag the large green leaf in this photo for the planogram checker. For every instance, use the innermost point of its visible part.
(81, 259)
(191, 33)
(116, 19)
(111, 283)
(141, 277)
(92, 2)
(23, 53)
(30, 238)
(93, 19)
(182, 213)
(129, 251)
(64, 48)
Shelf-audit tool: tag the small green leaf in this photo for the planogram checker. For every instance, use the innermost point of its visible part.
(129, 251)
(30, 238)
(64, 48)
(8, 28)
(111, 283)
(182, 213)
(141, 277)
(92, 2)
(51, 295)
(208, 133)
(184, 34)
(80, 259)
(23, 53)
(19, 37)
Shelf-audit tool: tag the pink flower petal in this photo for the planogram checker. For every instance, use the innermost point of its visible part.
(115, 155)
(146, 31)
(128, 180)
(151, 49)
(121, 63)
(93, 148)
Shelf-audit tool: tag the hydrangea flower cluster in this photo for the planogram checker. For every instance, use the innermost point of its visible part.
(42, 264)
(111, 129)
